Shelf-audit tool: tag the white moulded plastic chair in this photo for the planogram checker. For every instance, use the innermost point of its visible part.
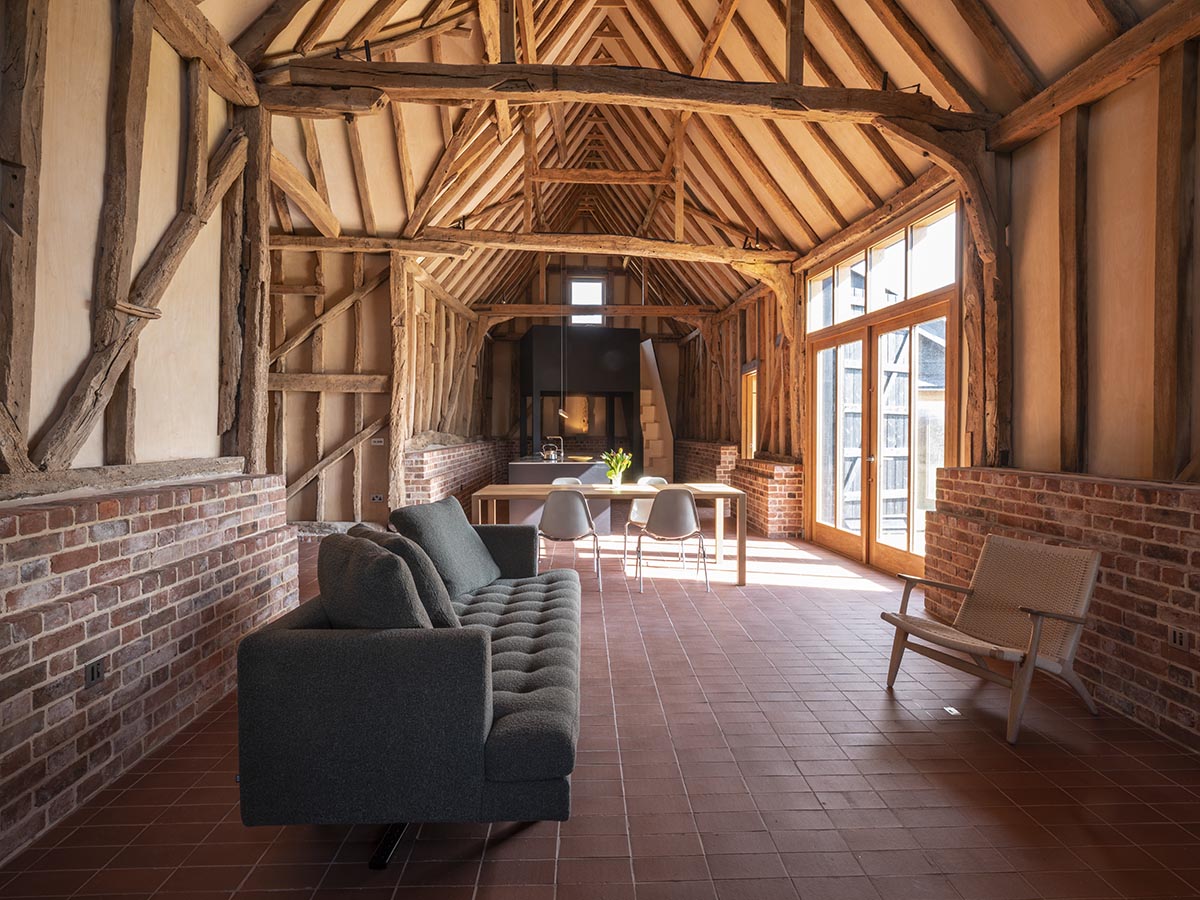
(566, 517)
(1027, 605)
(639, 513)
(673, 517)
(566, 479)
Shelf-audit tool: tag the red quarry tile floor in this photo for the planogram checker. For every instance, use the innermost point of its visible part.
(735, 745)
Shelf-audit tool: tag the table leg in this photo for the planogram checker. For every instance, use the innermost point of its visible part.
(741, 539)
(477, 510)
(494, 516)
(719, 529)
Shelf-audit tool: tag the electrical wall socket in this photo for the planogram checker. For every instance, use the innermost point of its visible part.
(377, 498)
(1177, 637)
(376, 442)
(93, 673)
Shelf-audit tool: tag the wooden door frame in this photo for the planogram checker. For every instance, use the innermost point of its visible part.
(867, 328)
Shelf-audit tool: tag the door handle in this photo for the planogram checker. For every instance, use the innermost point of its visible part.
(870, 459)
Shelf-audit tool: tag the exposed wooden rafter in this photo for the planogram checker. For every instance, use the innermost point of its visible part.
(193, 36)
(649, 88)
(1116, 63)
(607, 244)
(292, 182)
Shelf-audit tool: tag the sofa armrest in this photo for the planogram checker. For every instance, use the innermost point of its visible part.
(342, 725)
(513, 547)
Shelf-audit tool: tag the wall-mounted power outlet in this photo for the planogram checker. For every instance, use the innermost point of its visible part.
(377, 498)
(376, 442)
(93, 673)
(1177, 637)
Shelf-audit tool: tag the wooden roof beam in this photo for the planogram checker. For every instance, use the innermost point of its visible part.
(601, 176)
(1114, 64)
(1115, 16)
(648, 88)
(606, 244)
(290, 180)
(996, 44)
(358, 244)
(631, 310)
(305, 102)
(193, 36)
(943, 77)
(251, 45)
(395, 37)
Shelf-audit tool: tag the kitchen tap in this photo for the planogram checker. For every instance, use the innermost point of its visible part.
(562, 449)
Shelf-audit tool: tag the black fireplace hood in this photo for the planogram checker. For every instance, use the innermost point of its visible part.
(600, 361)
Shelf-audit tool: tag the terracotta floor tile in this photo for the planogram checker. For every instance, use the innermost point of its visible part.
(1148, 883)
(1071, 885)
(125, 881)
(857, 887)
(594, 871)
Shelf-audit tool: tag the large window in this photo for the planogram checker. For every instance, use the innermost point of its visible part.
(586, 292)
(906, 264)
(883, 354)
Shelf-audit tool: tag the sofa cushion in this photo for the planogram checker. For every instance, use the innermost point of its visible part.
(365, 586)
(430, 587)
(442, 531)
(534, 625)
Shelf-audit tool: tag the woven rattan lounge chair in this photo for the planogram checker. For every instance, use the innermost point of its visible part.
(1026, 605)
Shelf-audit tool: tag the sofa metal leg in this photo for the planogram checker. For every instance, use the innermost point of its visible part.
(387, 845)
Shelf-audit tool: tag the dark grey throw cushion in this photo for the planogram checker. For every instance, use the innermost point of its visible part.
(442, 530)
(430, 587)
(365, 586)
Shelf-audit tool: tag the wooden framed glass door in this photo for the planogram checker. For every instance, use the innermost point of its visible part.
(883, 326)
(879, 435)
(909, 446)
(838, 442)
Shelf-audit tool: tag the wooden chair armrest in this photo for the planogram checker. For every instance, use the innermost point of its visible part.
(911, 581)
(917, 579)
(1047, 614)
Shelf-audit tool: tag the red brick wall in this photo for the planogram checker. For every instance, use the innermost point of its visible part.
(704, 461)
(774, 495)
(456, 471)
(160, 583)
(1149, 538)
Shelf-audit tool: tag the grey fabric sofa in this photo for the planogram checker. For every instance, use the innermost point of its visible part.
(474, 723)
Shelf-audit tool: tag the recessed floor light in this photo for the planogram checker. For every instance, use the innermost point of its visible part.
(952, 710)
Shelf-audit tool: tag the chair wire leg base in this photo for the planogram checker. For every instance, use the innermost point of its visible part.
(387, 845)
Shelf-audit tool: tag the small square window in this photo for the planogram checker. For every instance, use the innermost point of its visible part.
(587, 292)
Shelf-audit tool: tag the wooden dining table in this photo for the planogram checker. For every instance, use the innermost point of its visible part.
(484, 500)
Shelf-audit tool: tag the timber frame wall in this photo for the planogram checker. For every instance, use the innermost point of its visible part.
(231, 182)
(253, 186)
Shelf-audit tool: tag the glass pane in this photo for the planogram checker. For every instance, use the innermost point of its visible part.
(929, 436)
(892, 422)
(850, 293)
(820, 301)
(931, 264)
(826, 435)
(850, 397)
(885, 273)
(587, 293)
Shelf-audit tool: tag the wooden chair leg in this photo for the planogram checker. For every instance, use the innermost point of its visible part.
(897, 655)
(1022, 678)
(1069, 676)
